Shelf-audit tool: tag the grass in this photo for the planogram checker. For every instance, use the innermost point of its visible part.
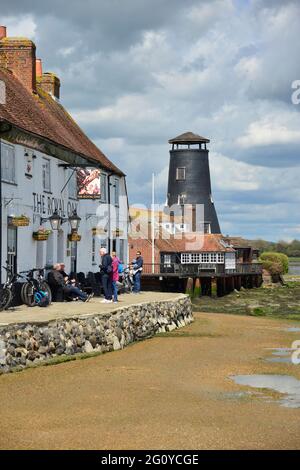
(278, 302)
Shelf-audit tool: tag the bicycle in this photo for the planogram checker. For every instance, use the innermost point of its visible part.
(32, 287)
(7, 291)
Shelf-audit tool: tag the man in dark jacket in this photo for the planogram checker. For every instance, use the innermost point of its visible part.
(106, 275)
(137, 272)
(57, 282)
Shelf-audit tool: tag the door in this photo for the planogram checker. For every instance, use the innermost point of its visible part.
(12, 248)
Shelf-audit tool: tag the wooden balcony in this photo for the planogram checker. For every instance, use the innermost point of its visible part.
(199, 270)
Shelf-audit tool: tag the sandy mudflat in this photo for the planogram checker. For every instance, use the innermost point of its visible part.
(167, 392)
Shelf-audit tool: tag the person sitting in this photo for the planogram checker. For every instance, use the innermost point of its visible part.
(58, 282)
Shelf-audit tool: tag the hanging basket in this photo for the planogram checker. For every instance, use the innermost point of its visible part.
(21, 221)
(74, 237)
(98, 231)
(41, 235)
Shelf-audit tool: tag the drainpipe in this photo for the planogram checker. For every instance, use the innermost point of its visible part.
(109, 212)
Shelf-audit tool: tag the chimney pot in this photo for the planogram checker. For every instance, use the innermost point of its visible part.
(2, 32)
(38, 67)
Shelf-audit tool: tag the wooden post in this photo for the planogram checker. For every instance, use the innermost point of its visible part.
(197, 288)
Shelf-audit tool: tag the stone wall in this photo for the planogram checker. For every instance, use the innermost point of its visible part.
(24, 345)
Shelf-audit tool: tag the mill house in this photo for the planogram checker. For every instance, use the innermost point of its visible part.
(176, 247)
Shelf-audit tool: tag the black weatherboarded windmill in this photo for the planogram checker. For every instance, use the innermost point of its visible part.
(189, 177)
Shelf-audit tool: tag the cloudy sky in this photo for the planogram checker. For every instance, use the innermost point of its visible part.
(137, 72)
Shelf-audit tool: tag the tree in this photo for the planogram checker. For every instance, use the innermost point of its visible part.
(275, 263)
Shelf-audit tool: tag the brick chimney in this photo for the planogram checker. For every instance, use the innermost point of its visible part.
(2, 32)
(18, 55)
(38, 68)
(49, 83)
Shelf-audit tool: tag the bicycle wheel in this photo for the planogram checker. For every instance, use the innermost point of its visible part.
(27, 294)
(5, 298)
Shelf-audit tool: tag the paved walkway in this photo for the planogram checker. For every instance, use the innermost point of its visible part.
(61, 310)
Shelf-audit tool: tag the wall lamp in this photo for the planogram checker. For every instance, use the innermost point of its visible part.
(56, 221)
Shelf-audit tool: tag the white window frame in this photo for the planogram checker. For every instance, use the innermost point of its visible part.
(167, 260)
(202, 258)
(46, 177)
(220, 258)
(185, 258)
(178, 173)
(8, 163)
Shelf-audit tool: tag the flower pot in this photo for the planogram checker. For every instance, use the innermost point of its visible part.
(41, 235)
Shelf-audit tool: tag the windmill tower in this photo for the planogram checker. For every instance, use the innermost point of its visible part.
(189, 177)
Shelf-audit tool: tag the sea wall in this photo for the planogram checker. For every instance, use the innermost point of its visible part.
(27, 344)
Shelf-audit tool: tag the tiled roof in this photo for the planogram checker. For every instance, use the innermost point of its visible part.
(41, 115)
(194, 243)
(188, 243)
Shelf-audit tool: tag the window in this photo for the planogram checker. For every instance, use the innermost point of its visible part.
(167, 261)
(72, 184)
(103, 186)
(8, 164)
(205, 258)
(207, 227)
(180, 174)
(220, 257)
(213, 257)
(46, 175)
(195, 257)
(117, 190)
(185, 258)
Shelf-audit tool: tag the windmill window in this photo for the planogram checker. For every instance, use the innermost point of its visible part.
(180, 174)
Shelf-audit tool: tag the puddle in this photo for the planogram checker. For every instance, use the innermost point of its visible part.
(286, 360)
(285, 384)
(293, 329)
(282, 355)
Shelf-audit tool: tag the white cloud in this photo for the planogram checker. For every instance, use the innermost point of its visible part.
(270, 130)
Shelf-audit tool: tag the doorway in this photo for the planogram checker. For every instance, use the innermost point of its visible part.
(12, 243)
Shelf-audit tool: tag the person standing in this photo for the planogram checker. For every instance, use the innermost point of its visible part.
(115, 275)
(137, 272)
(106, 275)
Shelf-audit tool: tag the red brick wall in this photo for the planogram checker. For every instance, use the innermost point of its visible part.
(145, 247)
(18, 55)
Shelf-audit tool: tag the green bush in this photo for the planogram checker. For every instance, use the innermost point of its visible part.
(275, 263)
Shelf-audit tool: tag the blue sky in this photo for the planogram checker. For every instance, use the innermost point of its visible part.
(137, 72)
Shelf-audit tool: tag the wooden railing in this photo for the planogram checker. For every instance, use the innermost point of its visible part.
(202, 269)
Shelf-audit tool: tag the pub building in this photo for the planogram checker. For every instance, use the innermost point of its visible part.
(61, 197)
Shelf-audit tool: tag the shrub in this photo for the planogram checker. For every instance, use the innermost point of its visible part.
(275, 263)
